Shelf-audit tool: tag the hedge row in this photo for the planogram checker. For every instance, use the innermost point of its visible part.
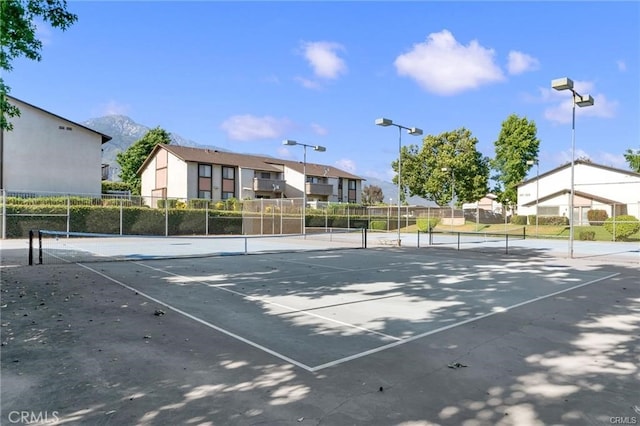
(145, 221)
(105, 219)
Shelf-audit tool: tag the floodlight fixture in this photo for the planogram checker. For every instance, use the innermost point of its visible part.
(584, 101)
(304, 146)
(383, 122)
(562, 84)
(581, 101)
(414, 131)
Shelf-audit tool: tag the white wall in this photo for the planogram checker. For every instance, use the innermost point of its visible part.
(604, 183)
(245, 184)
(148, 179)
(295, 183)
(178, 177)
(39, 156)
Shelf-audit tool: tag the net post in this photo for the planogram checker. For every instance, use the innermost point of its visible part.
(458, 240)
(364, 237)
(418, 238)
(506, 250)
(30, 247)
(524, 232)
(40, 247)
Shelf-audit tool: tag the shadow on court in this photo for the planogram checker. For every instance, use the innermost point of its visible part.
(340, 337)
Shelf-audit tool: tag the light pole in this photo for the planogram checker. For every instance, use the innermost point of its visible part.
(453, 183)
(582, 101)
(304, 173)
(414, 131)
(537, 163)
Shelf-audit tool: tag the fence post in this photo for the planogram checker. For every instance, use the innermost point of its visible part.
(166, 216)
(40, 247)
(121, 222)
(30, 247)
(68, 214)
(4, 214)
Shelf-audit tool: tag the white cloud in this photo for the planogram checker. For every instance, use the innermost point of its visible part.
(560, 112)
(346, 165)
(43, 32)
(323, 58)
(521, 62)
(612, 160)
(318, 129)
(622, 66)
(114, 108)
(249, 127)
(309, 84)
(443, 66)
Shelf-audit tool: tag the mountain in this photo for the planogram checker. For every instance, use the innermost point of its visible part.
(390, 191)
(124, 132)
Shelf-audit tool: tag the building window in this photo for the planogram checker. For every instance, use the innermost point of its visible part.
(228, 182)
(352, 191)
(548, 210)
(265, 175)
(228, 172)
(204, 170)
(204, 181)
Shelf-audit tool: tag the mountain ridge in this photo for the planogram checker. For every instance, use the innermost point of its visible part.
(125, 131)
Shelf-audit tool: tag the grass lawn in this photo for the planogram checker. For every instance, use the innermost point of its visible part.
(543, 231)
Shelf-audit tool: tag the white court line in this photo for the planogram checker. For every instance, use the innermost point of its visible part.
(447, 327)
(215, 327)
(280, 305)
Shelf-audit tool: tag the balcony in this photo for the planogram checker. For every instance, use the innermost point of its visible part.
(268, 185)
(319, 189)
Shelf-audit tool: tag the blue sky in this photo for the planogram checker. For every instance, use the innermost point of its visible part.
(246, 75)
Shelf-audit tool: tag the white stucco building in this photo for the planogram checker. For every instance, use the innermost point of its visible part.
(187, 173)
(596, 187)
(48, 153)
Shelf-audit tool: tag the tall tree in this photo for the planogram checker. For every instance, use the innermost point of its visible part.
(131, 159)
(18, 38)
(447, 167)
(372, 194)
(516, 151)
(633, 158)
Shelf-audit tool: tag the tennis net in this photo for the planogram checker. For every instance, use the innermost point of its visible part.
(470, 240)
(47, 247)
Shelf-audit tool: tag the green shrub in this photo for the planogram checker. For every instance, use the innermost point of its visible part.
(518, 219)
(424, 224)
(622, 227)
(587, 235)
(114, 186)
(378, 225)
(597, 217)
(532, 219)
(553, 220)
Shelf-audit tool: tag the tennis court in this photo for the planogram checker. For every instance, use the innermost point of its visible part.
(382, 335)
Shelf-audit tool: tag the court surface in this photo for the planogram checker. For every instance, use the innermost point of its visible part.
(353, 336)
